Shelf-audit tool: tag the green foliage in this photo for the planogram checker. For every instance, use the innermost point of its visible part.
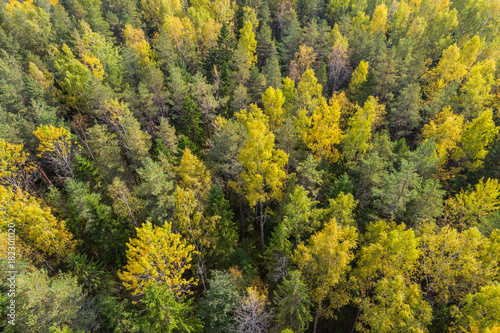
(292, 300)
(166, 123)
(221, 300)
(165, 313)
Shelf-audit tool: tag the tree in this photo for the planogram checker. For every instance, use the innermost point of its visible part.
(55, 146)
(300, 215)
(27, 24)
(273, 101)
(304, 60)
(125, 204)
(325, 261)
(252, 315)
(41, 236)
(44, 302)
(292, 300)
(452, 263)
(105, 149)
(360, 129)
(157, 188)
(15, 170)
(359, 76)
(404, 115)
(226, 232)
(339, 68)
(157, 255)
(263, 165)
(92, 45)
(193, 175)
(165, 313)
(82, 90)
(134, 141)
(217, 308)
(397, 190)
(389, 251)
(481, 309)
(395, 307)
(475, 138)
(446, 129)
(321, 131)
(244, 57)
(466, 208)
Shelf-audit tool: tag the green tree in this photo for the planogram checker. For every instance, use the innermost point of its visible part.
(164, 312)
(292, 300)
(217, 308)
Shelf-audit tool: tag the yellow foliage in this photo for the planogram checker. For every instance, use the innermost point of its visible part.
(264, 172)
(55, 146)
(359, 76)
(360, 128)
(446, 129)
(38, 233)
(137, 41)
(53, 139)
(43, 79)
(193, 175)
(452, 262)
(95, 65)
(157, 255)
(379, 20)
(466, 208)
(325, 261)
(321, 132)
(14, 168)
(273, 101)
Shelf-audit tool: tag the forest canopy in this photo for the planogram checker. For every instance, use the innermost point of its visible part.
(250, 165)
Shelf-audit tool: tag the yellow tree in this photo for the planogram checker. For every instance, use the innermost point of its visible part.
(193, 175)
(38, 233)
(263, 166)
(273, 101)
(446, 129)
(475, 138)
(359, 76)
(467, 207)
(15, 170)
(356, 141)
(321, 131)
(157, 255)
(451, 68)
(180, 36)
(455, 263)
(387, 265)
(101, 56)
(137, 42)
(395, 307)
(309, 91)
(194, 183)
(481, 312)
(55, 147)
(325, 261)
(379, 20)
(304, 60)
(389, 251)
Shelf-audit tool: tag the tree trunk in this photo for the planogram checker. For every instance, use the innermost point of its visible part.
(261, 220)
(316, 321)
(241, 216)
